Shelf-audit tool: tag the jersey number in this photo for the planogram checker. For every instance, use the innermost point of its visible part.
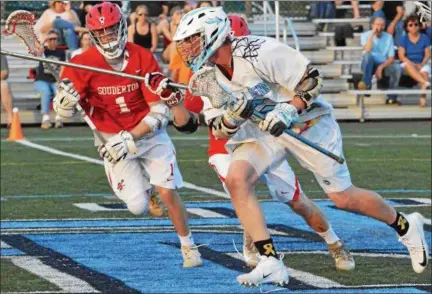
(122, 104)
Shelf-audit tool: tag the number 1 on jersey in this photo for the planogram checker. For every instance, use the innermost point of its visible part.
(122, 104)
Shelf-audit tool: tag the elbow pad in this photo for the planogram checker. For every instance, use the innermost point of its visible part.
(310, 86)
(190, 127)
(157, 118)
(220, 130)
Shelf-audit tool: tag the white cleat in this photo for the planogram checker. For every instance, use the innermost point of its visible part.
(250, 253)
(191, 256)
(344, 261)
(415, 241)
(268, 270)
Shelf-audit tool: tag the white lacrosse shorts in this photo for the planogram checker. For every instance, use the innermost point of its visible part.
(281, 181)
(154, 164)
(331, 176)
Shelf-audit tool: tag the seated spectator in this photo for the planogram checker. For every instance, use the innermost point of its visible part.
(142, 32)
(204, 4)
(6, 96)
(62, 17)
(392, 12)
(345, 30)
(378, 58)
(414, 53)
(85, 42)
(45, 83)
(168, 29)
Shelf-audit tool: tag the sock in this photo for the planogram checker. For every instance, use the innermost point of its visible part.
(329, 236)
(58, 117)
(400, 225)
(187, 240)
(266, 247)
(46, 117)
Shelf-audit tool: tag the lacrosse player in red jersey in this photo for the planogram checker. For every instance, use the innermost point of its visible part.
(253, 69)
(131, 118)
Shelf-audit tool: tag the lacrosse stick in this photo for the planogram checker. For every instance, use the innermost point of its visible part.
(424, 11)
(85, 67)
(20, 23)
(203, 83)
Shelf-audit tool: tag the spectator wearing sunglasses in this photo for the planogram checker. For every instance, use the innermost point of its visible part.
(45, 82)
(414, 53)
(142, 32)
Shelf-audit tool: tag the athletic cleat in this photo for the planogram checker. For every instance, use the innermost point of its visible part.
(156, 209)
(415, 241)
(58, 124)
(191, 256)
(344, 261)
(268, 270)
(250, 253)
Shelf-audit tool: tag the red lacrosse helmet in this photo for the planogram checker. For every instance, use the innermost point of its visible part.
(108, 29)
(239, 26)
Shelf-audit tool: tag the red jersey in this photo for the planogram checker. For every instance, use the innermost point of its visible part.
(196, 104)
(114, 103)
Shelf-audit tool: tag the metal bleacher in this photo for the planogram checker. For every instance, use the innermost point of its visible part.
(337, 65)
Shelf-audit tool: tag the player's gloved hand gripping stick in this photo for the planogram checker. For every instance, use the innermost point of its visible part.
(203, 83)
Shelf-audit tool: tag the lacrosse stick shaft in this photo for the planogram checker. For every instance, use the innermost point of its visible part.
(85, 67)
(309, 143)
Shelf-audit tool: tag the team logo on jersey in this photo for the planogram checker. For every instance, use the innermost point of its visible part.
(120, 185)
(102, 20)
(259, 89)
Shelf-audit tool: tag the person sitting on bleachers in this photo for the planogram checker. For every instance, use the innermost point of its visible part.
(85, 42)
(142, 32)
(62, 17)
(6, 96)
(414, 53)
(167, 29)
(392, 12)
(378, 58)
(45, 82)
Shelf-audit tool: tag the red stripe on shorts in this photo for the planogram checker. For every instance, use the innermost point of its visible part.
(297, 190)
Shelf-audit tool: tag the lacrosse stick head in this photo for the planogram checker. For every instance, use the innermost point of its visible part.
(204, 83)
(21, 23)
(423, 11)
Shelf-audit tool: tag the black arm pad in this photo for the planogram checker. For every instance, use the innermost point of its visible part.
(190, 127)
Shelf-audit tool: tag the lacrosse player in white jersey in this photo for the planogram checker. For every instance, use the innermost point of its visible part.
(252, 68)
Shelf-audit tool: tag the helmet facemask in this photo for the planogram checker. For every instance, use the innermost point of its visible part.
(111, 41)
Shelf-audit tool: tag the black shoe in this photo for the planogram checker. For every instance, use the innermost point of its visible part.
(391, 101)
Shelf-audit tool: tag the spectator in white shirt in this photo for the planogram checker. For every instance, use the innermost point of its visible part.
(62, 17)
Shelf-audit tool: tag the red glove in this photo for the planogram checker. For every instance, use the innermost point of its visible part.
(158, 84)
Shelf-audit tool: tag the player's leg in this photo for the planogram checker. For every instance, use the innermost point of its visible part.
(284, 186)
(161, 165)
(249, 161)
(335, 180)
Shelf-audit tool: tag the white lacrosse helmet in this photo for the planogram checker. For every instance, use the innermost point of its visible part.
(211, 27)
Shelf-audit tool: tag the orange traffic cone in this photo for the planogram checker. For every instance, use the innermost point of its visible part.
(15, 132)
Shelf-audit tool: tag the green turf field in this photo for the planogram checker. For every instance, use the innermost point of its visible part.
(391, 157)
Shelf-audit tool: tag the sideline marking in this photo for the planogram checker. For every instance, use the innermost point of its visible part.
(100, 162)
(64, 281)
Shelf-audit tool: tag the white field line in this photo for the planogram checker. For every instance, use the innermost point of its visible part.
(5, 245)
(64, 281)
(204, 138)
(427, 221)
(205, 213)
(308, 278)
(100, 162)
(36, 292)
(96, 207)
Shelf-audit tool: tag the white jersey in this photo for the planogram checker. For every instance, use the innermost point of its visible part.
(267, 68)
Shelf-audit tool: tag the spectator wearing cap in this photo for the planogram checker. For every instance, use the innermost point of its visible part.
(378, 58)
(62, 17)
(414, 53)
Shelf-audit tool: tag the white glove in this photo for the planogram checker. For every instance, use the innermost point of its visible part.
(66, 99)
(117, 147)
(238, 111)
(279, 119)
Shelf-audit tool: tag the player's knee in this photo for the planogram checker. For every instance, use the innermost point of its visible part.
(139, 204)
(235, 182)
